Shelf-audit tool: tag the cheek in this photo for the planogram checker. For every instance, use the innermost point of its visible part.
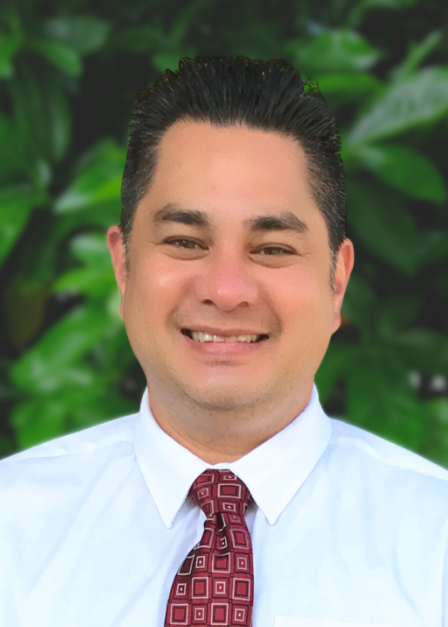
(150, 282)
(153, 295)
(305, 305)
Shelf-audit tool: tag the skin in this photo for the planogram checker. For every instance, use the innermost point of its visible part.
(221, 408)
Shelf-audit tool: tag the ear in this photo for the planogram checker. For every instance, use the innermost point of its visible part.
(116, 248)
(344, 267)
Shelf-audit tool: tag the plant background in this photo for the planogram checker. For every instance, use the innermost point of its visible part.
(69, 72)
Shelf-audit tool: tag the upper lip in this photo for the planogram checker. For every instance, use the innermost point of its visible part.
(224, 332)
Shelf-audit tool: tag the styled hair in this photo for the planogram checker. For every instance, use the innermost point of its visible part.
(226, 92)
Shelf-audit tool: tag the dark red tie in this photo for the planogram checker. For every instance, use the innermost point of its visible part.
(215, 584)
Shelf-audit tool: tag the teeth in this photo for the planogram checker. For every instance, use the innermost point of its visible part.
(206, 337)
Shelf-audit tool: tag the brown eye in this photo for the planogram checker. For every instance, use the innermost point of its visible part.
(172, 242)
(280, 248)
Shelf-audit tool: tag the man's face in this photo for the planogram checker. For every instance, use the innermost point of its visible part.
(227, 276)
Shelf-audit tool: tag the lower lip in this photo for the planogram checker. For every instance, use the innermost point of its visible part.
(225, 348)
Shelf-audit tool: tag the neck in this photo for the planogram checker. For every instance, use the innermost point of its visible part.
(224, 437)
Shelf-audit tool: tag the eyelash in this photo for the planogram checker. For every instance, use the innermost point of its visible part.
(186, 239)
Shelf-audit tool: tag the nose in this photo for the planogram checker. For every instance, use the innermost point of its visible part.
(226, 280)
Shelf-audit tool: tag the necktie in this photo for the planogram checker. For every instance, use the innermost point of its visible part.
(215, 583)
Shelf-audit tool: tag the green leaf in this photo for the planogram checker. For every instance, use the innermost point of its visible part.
(38, 253)
(16, 158)
(101, 409)
(9, 46)
(384, 226)
(8, 148)
(60, 121)
(417, 55)
(417, 100)
(405, 169)
(92, 249)
(99, 183)
(333, 368)
(88, 281)
(422, 349)
(106, 151)
(16, 205)
(6, 446)
(41, 112)
(395, 313)
(93, 197)
(432, 246)
(59, 54)
(83, 34)
(349, 84)
(360, 306)
(336, 51)
(24, 311)
(113, 304)
(38, 420)
(39, 369)
(380, 398)
(143, 38)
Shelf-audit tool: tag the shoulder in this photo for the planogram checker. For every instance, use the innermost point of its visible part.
(80, 451)
(387, 474)
(381, 452)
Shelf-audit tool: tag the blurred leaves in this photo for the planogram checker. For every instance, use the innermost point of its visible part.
(58, 53)
(23, 310)
(416, 100)
(405, 169)
(97, 277)
(379, 392)
(38, 420)
(98, 180)
(16, 205)
(9, 45)
(41, 97)
(67, 81)
(43, 365)
(381, 221)
(417, 54)
(82, 34)
(340, 51)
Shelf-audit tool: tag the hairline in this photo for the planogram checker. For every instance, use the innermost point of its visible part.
(237, 122)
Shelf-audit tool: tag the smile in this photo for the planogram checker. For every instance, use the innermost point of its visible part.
(198, 336)
(224, 348)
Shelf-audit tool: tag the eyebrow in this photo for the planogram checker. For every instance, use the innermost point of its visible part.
(286, 221)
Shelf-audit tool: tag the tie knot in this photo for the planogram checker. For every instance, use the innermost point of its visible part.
(220, 491)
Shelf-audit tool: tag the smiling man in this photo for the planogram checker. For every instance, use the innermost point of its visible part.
(228, 242)
(230, 498)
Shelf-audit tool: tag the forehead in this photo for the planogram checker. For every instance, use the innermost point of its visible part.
(233, 173)
(230, 155)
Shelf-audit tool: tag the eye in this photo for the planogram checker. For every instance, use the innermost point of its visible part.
(172, 242)
(285, 251)
(191, 242)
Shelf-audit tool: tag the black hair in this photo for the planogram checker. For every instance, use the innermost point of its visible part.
(230, 91)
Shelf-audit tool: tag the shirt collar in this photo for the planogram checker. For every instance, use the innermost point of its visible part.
(285, 461)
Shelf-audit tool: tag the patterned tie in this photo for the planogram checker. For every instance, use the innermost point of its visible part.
(215, 583)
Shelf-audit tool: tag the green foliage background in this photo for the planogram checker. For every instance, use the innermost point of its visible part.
(69, 72)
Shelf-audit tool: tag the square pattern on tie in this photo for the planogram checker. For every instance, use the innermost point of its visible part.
(214, 584)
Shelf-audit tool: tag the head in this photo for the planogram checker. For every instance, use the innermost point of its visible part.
(228, 162)
(229, 92)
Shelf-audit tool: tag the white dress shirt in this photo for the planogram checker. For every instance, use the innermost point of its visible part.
(347, 528)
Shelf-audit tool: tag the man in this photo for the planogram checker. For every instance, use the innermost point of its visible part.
(230, 498)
